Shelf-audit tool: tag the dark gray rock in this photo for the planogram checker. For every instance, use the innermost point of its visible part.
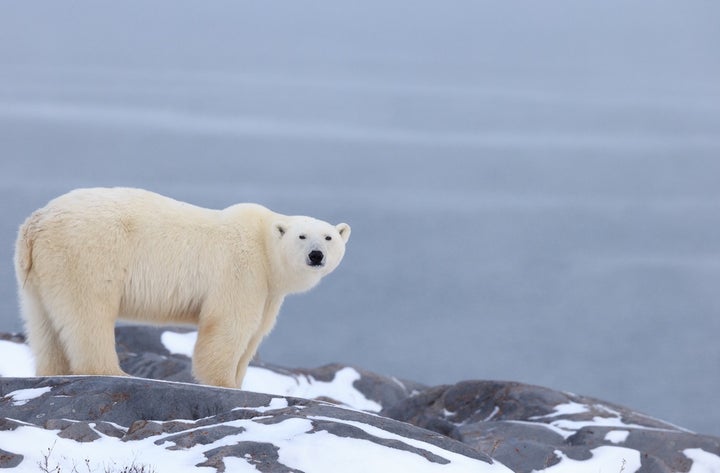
(200, 436)
(121, 400)
(13, 337)
(142, 353)
(8, 424)
(524, 426)
(108, 429)
(9, 460)
(263, 456)
(80, 432)
(142, 429)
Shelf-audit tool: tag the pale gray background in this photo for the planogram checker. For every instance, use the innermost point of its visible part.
(533, 186)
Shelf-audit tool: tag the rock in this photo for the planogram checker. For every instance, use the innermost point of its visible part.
(217, 422)
(529, 428)
(263, 456)
(525, 428)
(142, 353)
(9, 460)
(80, 432)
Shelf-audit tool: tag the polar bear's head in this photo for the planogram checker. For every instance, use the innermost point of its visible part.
(308, 249)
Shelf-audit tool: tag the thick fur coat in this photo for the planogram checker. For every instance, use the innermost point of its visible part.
(95, 255)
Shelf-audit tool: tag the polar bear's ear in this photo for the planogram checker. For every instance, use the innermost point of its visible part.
(344, 231)
(279, 229)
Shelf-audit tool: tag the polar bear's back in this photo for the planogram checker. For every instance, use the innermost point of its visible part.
(115, 218)
(159, 256)
(124, 203)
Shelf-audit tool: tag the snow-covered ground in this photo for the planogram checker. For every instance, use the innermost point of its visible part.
(316, 452)
(532, 188)
(299, 444)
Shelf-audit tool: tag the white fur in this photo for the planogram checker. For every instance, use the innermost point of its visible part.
(95, 255)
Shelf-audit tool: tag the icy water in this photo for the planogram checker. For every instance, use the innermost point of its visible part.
(533, 190)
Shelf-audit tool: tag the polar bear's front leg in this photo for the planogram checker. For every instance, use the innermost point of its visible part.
(272, 307)
(220, 344)
(242, 365)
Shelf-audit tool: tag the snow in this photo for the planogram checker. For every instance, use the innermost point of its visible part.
(323, 451)
(179, 343)
(617, 436)
(275, 404)
(568, 427)
(267, 381)
(565, 409)
(604, 460)
(326, 452)
(340, 388)
(22, 396)
(16, 360)
(35, 444)
(376, 432)
(703, 462)
(494, 412)
(299, 448)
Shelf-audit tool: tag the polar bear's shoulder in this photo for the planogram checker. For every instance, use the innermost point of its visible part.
(251, 211)
(101, 196)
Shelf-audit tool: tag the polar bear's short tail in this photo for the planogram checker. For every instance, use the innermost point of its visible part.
(24, 249)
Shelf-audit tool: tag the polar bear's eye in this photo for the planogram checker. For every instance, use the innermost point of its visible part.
(302, 237)
(328, 238)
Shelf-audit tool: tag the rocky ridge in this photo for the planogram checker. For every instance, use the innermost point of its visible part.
(311, 419)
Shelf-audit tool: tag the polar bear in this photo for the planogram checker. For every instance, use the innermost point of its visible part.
(92, 256)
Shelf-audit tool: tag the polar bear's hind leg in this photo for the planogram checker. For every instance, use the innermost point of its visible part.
(50, 356)
(94, 354)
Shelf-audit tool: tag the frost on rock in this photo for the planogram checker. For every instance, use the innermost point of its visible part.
(332, 418)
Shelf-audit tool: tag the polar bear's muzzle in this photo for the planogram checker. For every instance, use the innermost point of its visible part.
(315, 258)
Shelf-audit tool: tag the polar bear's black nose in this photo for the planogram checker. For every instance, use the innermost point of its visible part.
(315, 257)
